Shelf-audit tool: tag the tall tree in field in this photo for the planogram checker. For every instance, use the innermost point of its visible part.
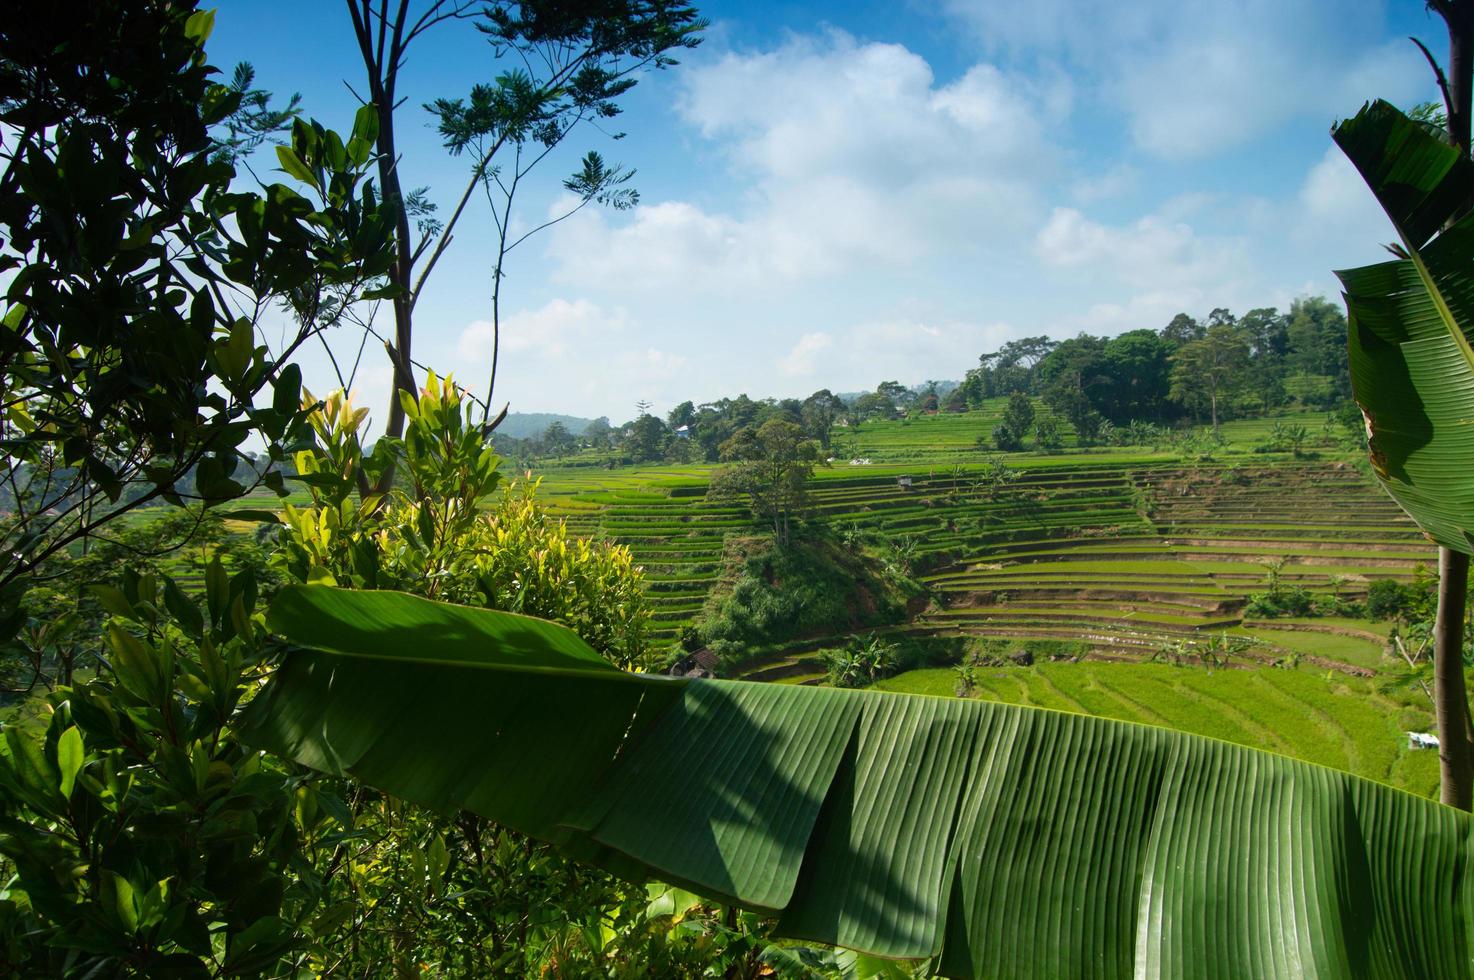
(770, 466)
(647, 438)
(571, 61)
(819, 413)
(1135, 373)
(1182, 330)
(1207, 371)
(1267, 333)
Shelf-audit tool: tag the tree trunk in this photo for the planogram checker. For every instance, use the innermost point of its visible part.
(381, 39)
(1451, 701)
(1459, 16)
(404, 379)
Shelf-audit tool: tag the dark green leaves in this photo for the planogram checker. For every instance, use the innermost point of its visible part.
(1006, 841)
(1412, 368)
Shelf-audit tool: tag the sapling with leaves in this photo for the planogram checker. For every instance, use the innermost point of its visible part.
(561, 65)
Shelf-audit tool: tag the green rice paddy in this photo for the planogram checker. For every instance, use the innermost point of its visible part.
(1338, 721)
(1121, 553)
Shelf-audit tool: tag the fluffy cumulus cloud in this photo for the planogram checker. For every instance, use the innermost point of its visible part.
(1150, 253)
(544, 332)
(571, 355)
(804, 360)
(850, 157)
(1194, 78)
(1335, 204)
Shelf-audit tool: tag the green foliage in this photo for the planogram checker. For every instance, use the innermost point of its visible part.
(565, 64)
(814, 587)
(1211, 370)
(1047, 435)
(770, 466)
(1285, 437)
(647, 439)
(438, 537)
(144, 838)
(126, 374)
(1412, 367)
(1414, 601)
(861, 661)
(1017, 418)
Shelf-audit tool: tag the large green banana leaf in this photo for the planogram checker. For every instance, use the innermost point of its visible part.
(1412, 368)
(1006, 841)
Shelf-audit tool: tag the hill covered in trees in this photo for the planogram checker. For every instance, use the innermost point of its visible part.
(1084, 390)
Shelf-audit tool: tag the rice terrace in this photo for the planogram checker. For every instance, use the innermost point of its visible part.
(1123, 579)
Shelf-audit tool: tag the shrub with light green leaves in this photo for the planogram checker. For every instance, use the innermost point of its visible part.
(450, 535)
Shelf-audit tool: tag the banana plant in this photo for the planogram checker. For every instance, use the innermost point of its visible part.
(1412, 373)
(989, 839)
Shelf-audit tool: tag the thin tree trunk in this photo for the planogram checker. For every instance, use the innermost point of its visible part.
(1451, 701)
(1459, 16)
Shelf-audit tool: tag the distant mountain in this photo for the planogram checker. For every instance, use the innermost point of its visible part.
(524, 425)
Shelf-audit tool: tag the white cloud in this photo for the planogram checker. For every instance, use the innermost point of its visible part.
(651, 364)
(1113, 182)
(1195, 78)
(546, 332)
(1154, 310)
(803, 360)
(849, 158)
(1334, 196)
(910, 350)
(1149, 253)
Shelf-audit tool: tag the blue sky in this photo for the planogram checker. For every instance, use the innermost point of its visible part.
(836, 194)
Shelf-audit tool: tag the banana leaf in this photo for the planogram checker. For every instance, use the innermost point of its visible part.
(997, 840)
(1412, 367)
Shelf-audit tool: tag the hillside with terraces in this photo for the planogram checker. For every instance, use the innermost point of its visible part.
(1140, 562)
(1120, 555)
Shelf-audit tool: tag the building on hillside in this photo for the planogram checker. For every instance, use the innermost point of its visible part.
(702, 663)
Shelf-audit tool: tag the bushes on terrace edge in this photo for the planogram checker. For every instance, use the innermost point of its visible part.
(815, 587)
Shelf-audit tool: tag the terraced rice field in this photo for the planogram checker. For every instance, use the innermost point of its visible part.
(1143, 557)
(1125, 553)
(1335, 720)
(663, 515)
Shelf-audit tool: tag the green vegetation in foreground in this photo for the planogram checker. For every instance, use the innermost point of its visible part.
(1346, 723)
